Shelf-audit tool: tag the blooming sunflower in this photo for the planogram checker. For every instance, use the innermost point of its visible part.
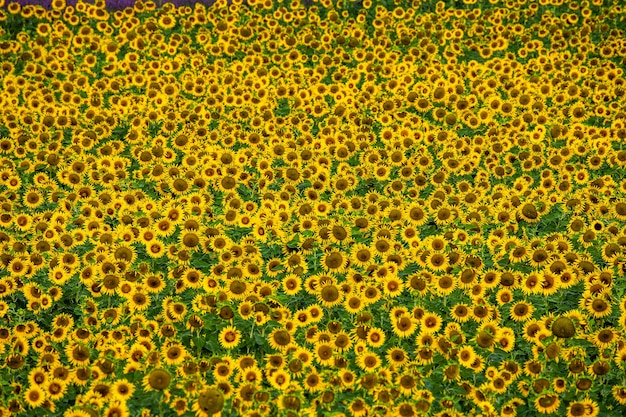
(279, 339)
(34, 396)
(335, 261)
(330, 295)
(361, 255)
(324, 354)
(461, 313)
(77, 354)
(174, 353)
(122, 389)
(368, 361)
(466, 356)
(404, 326)
(521, 311)
(229, 337)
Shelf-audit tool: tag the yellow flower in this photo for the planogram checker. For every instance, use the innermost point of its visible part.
(466, 356)
(431, 322)
(229, 337)
(173, 353)
(77, 354)
(279, 339)
(324, 353)
(404, 326)
(376, 337)
(330, 295)
(122, 389)
(279, 379)
(521, 311)
(167, 21)
(34, 396)
(368, 361)
(361, 255)
(292, 284)
(335, 261)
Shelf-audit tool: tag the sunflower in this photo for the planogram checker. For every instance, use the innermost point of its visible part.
(34, 396)
(342, 342)
(33, 198)
(404, 326)
(375, 337)
(339, 234)
(167, 21)
(445, 215)
(505, 340)
(466, 356)
(498, 384)
(358, 408)
(353, 304)
(361, 255)
(335, 261)
(577, 409)
(209, 402)
(280, 339)
(316, 313)
(38, 376)
(324, 354)
(279, 379)
(431, 322)
(165, 227)
(138, 300)
(122, 389)
(330, 295)
(174, 353)
(229, 337)
(189, 240)
(504, 296)
(274, 267)
(125, 254)
(461, 313)
(154, 284)
(381, 245)
(604, 337)
(295, 261)
(368, 361)
(313, 382)
(437, 262)
(292, 284)
(116, 409)
(619, 393)
(223, 371)
(597, 306)
(155, 249)
(77, 354)
(532, 283)
(56, 389)
(157, 380)
(59, 274)
(521, 311)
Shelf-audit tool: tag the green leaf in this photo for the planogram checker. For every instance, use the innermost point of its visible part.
(199, 342)
(259, 340)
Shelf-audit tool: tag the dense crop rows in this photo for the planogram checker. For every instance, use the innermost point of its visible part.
(359, 209)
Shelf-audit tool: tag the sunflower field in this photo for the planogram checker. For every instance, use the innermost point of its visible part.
(318, 208)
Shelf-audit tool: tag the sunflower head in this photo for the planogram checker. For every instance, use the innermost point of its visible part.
(211, 401)
(563, 327)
